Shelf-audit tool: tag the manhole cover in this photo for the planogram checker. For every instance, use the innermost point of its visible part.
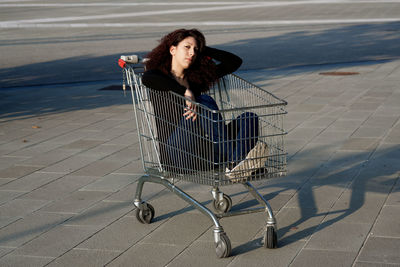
(339, 73)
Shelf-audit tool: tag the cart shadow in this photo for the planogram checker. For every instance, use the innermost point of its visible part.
(358, 174)
(377, 174)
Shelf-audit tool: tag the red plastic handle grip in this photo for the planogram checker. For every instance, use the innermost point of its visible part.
(121, 63)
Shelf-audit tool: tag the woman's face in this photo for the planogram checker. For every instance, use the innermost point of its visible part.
(184, 54)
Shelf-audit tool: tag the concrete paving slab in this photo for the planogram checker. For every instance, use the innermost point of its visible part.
(18, 171)
(314, 257)
(10, 160)
(21, 207)
(82, 144)
(318, 151)
(102, 151)
(109, 134)
(339, 236)
(360, 144)
(119, 236)
(6, 220)
(125, 139)
(76, 257)
(371, 264)
(99, 168)
(23, 260)
(347, 159)
(357, 207)
(134, 167)
(27, 228)
(365, 131)
(4, 251)
(127, 194)
(394, 195)
(297, 223)
(127, 155)
(144, 255)
(380, 250)
(100, 215)
(75, 202)
(5, 180)
(240, 230)
(367, 182)
(111, 183)
(393, 137)
(59, 188)
(34, 150)
(6, 196)
(200, 253)
(102, 125)
(49, 158)
(318, 197)
(384, 225)
(49, 245)
(253, 254)
(71, 164)
(175, 230)
(32, 181)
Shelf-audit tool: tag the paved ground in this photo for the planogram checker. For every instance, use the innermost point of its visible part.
(69, 151)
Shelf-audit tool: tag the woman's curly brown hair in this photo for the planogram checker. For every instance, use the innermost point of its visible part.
(201, 72)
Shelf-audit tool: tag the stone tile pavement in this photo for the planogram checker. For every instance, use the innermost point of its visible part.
(69, 162)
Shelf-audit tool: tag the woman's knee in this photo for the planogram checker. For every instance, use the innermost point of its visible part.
(207, 101)
(251, 116)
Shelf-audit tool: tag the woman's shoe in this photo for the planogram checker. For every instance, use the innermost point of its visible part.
(254, 160)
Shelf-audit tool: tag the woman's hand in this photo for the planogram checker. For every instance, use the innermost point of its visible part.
(191, 109)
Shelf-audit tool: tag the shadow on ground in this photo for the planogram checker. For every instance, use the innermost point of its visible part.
(352, 43)
(351, 178)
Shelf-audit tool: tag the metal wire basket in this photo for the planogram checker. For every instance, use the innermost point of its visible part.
(209, 143)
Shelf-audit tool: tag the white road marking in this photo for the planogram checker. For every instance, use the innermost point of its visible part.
(133, 14)
(200, 23)
(54, 22)
(188, 3)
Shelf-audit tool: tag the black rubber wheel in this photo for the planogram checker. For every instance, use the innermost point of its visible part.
(223, 246)
(145, 215)
(223, 205)
(270, 238)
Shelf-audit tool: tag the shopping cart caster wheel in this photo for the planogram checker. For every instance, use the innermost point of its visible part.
(270, 238)
(145, 215)
(224, 205)
(223, 246)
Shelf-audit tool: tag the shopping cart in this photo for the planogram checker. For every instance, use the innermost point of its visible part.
(206, 162)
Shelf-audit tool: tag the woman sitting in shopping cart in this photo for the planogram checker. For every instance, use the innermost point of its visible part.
(191, 136)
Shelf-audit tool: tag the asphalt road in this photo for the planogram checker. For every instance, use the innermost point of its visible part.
(53, 42)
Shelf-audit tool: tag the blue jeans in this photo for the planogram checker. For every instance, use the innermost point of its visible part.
(208, 141)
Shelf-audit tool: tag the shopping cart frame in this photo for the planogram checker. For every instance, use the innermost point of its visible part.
(132, 67)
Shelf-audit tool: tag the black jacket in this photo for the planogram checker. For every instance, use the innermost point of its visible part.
(168, 109)
(157, 80)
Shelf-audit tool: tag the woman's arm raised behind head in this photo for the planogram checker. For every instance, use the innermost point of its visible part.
(228, 62)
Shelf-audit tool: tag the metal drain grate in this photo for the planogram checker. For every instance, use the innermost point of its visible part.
(338, 73)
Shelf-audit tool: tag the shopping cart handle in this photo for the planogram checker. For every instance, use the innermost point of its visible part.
(132, 59)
